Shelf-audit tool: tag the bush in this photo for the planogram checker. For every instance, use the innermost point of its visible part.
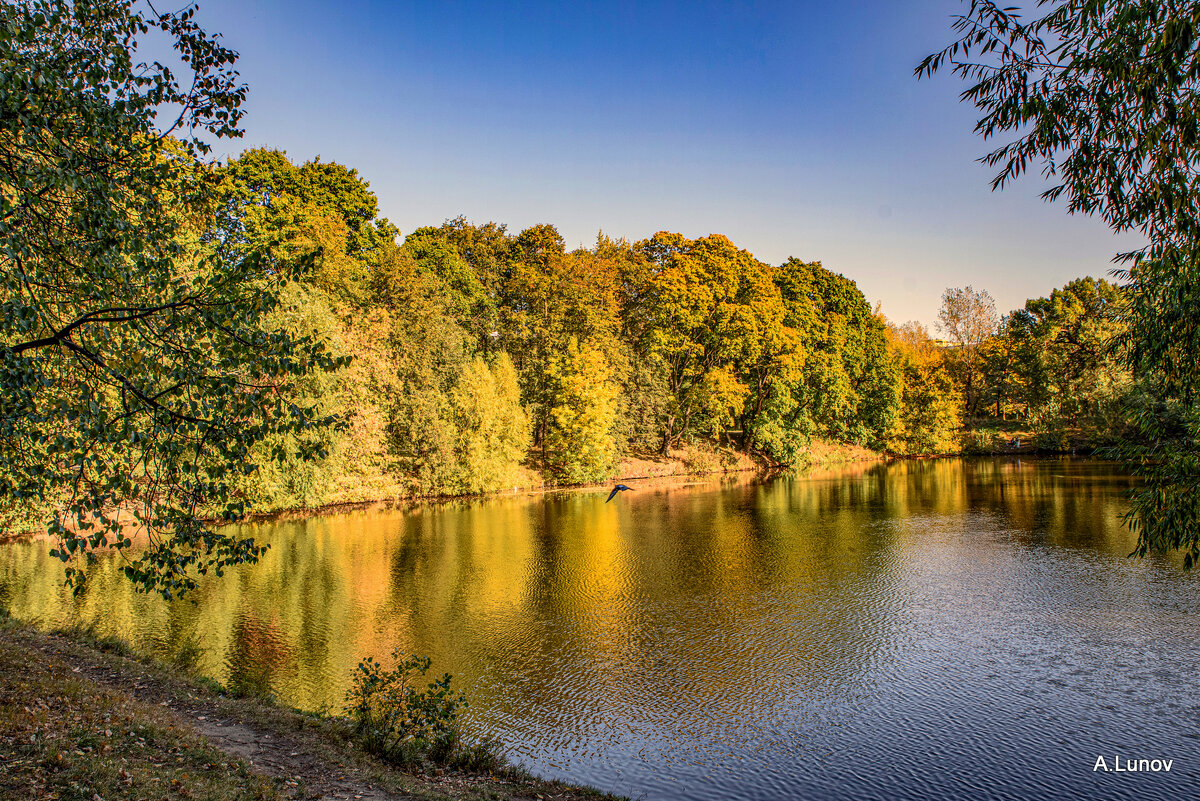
(400, 723)
(983, 442)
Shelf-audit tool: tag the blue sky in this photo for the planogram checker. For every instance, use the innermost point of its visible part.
(794, 128)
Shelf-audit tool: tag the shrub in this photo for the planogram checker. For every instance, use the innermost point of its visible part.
(397, 721)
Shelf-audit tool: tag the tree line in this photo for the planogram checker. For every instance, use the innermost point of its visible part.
(181, 341)
(1051, 370)
(480, 353)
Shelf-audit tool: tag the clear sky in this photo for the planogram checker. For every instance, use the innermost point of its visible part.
(794, 128)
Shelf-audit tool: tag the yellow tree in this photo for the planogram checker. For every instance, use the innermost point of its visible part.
(930, 414)
(581, 442)
(492, 434)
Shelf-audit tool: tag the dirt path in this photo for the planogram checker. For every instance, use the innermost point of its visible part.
(303, 756)
(234, 727)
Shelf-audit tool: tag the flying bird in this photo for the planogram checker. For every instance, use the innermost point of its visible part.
(616, 489)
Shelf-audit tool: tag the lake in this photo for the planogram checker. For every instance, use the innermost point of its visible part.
(915, 630)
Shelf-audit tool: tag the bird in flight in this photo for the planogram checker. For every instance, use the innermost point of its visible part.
(616, 489)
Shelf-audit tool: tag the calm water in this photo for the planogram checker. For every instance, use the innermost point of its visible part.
(941, 629)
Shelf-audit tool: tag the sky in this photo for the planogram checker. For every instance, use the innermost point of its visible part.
(794, 128)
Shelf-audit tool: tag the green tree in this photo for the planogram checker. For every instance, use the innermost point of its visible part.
(1103, 95)
(1078, 322)
(582, 444)
(265, 178)
(136, 376)
(467, 298)
(848, 387)
(1055, 355)
(487, 248)
(319, 211)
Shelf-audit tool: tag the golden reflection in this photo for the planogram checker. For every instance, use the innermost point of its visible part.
(703, 592)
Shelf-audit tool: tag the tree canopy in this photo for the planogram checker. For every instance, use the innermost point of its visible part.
(1103, 96)
(136, 376)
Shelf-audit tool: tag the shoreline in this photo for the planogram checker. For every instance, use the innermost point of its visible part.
(83, 716)
(853, 454)
(736, 462)
(836, 455)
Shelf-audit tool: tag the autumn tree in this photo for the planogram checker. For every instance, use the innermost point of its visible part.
(700, 307)
(325, 215)
(428, 352)
(492, 428)
(929, 417)
(548, 298)
(581, 442)
(968, 318)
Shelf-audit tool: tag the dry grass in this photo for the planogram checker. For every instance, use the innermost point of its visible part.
(821, 453)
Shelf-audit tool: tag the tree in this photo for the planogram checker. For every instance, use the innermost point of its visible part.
(264, 177)
(427, 353)
(319, 211)
(457, 282)
(930, 413)
(582, 445)
(968, 318)
(1053, 355)
(485, 247)
(136, 376)
(550, 297)
(701, 306)
(492, 428)
(848, 386)
(1104, 96)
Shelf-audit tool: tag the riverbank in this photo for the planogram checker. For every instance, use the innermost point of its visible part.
(83, 718)
(687, 462)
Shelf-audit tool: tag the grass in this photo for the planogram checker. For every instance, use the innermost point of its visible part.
(64, 737)
(84, 718)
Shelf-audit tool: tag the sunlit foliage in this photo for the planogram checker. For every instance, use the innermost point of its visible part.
(582, 444)
(930, 416)
(138, 372)
(1102, 96)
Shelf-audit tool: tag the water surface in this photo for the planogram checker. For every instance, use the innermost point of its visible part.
(933, 629)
